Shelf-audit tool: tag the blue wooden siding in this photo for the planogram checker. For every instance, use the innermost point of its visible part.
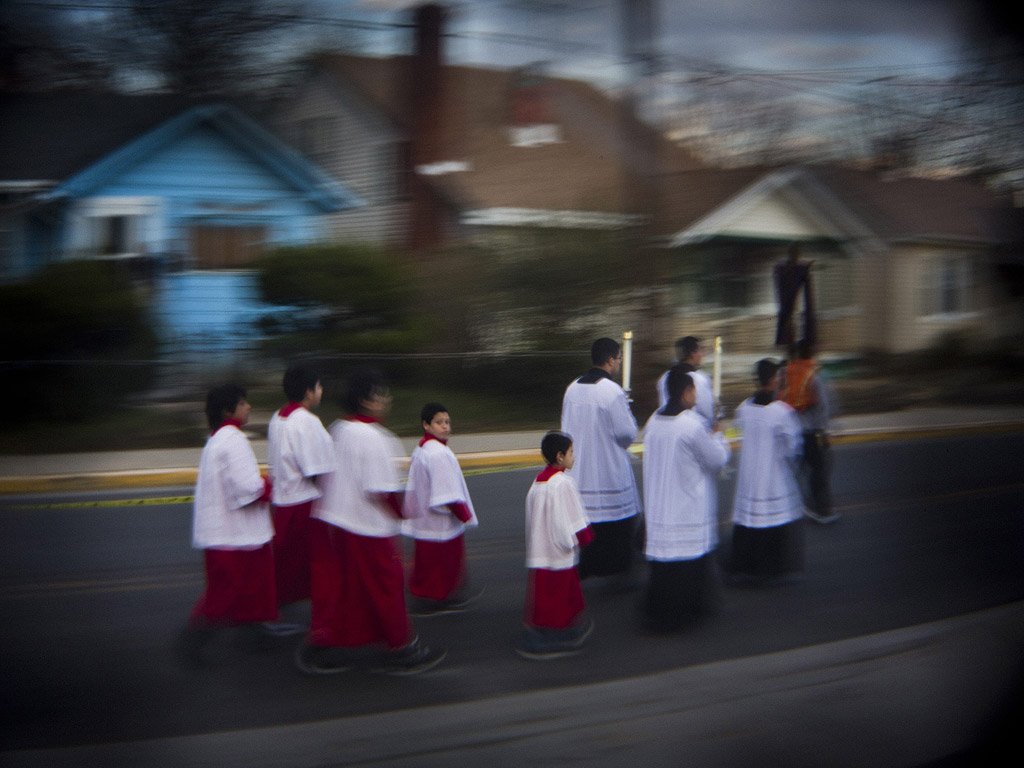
(203, 179)
(211, 311)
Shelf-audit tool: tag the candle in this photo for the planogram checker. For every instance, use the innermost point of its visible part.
(716, 378)
(627, 359)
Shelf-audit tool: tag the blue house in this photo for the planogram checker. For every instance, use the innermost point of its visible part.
(188, 196)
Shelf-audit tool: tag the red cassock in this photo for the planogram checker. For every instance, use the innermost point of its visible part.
(239, 587)
(554, 599)
(358, 589)
(292, 527)
(439, 568)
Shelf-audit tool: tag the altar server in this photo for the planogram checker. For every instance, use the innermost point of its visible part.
(767, 535)
(681, 461)
(231, 524)
(358, 615)
(595, 411)
(437, 510)
(556, 530)
(299, 453)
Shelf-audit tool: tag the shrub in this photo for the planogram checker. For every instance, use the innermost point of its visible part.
(74, 341)
(355, 299)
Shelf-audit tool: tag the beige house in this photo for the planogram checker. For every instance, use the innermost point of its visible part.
(441, 154)
(899, 264)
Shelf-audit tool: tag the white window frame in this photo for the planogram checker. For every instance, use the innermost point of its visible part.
(94, 216)
(947, 276)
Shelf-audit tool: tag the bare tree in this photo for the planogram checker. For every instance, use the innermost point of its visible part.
(205, 48)
(38, 52)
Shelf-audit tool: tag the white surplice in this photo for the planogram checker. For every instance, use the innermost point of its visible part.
(602, 427)
(766, 490)
(681, 462)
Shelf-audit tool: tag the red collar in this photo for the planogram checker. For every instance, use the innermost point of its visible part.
(548, 472)
(289, 409)
(427, 437)
(228, 423)
(363, 418)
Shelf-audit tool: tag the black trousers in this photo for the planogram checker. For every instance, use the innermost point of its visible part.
(816, 466)
(611, 551)
(764, 553)
(680, 592)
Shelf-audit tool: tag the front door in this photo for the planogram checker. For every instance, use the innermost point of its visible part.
(216, 247)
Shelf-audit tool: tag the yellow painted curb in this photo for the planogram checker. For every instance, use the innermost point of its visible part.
(477, 462)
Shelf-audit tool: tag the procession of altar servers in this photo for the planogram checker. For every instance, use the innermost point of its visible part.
(338, 505)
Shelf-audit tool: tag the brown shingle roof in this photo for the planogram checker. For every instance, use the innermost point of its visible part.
(914, 208)
(586, 171)
(902, 208)
(590, 169)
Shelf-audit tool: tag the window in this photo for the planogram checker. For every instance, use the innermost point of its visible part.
(115, 227)
(114, 234)
(833, 283)
(946, 287)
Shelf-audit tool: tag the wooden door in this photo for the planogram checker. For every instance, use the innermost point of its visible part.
(215, 247)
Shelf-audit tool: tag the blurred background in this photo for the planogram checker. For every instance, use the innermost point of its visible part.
(465, 195)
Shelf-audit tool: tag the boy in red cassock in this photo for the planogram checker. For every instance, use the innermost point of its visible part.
(437, 510)
(358, 615)
(556, 529)
(231, 524)
(299, 454)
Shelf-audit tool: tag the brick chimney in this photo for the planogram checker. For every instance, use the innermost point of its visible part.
(426, 82)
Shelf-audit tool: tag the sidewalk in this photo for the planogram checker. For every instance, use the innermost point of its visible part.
(177, 467)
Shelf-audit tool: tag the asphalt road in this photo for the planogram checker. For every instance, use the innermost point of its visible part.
(95, 587)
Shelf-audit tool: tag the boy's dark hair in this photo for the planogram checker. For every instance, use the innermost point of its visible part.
(764, 370)
(679, 380)
(603, 349)
(221, 399)
(363, 385)
(299, 379)
(430, 410)
(686, 346)
(554, 443)
(804, 349)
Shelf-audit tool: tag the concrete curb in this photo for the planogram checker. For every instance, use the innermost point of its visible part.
(471, 462)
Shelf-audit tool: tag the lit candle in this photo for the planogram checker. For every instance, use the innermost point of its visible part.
(627, 359)
(716, 377)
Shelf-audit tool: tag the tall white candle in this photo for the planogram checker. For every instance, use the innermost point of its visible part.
(716, 376)
(627, 359)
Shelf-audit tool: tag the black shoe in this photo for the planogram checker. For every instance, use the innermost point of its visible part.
(539, 645)
(319, 660)
(411, 660)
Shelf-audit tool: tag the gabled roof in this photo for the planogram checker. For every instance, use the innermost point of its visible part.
(905, 208)
(584, 172)
(80, 142)
(856, 204)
